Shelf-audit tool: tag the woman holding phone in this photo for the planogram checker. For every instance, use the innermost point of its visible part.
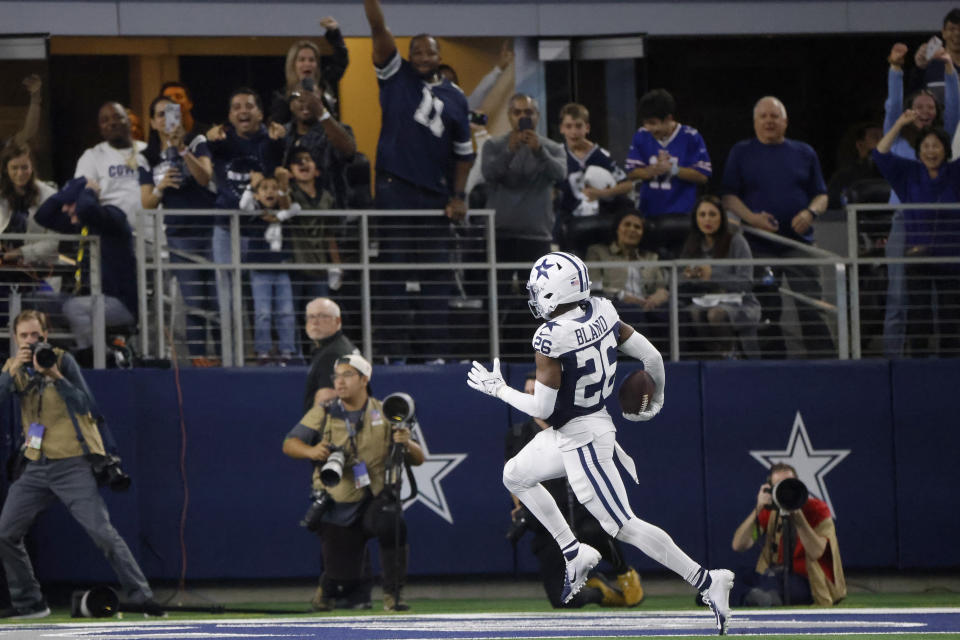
(307, 70)
(176, 175)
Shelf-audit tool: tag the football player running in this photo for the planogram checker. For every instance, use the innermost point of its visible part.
(576, 355)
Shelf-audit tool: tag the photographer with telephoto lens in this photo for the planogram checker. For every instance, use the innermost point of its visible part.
(63, 456)
(783, 510)
(349, 440)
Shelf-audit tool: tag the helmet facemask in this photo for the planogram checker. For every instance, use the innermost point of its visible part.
(534, 302)
(555, 279)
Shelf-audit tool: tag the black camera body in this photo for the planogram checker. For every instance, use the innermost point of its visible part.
(107, 471)
(519, 526)
(320, 503)
(44, 354)
(788, 495)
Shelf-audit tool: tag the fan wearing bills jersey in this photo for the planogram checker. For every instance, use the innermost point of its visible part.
(672, 161)
(576, 355)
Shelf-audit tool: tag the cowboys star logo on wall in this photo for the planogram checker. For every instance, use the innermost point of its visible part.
(811, 465)
(428, 475)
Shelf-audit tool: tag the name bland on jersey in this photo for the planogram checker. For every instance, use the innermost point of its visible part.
(598, 328)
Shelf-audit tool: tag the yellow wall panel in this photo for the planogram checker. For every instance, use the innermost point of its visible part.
(154, 60)
(472, 58)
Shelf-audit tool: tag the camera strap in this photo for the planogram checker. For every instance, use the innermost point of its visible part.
(76, 428)
(345, 416)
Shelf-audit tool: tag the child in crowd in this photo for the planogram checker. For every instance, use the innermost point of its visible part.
(272, 290)
(314, 238)
(593, 176)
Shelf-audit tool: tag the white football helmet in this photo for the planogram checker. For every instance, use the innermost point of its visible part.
(598, 178)
(556, 278)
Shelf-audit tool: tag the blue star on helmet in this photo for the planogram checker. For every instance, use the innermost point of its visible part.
(549, 325)
(542, 269)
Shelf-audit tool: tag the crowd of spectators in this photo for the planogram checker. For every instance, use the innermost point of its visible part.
(567, 194)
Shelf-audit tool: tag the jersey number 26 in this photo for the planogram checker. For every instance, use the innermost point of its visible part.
(596, 367)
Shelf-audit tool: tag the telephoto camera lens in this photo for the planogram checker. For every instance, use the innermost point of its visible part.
(44, 353)
(332, 469)
(398, 407)
(790, 494)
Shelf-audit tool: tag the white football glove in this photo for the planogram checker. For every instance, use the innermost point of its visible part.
(655, 405)
(489, 382)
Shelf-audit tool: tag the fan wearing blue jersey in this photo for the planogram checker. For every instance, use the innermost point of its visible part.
(576, 355)
(424, 155)
(424, 127)
(672, 160)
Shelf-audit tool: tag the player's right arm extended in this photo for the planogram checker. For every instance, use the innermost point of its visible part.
(544, 398)
(538, 405)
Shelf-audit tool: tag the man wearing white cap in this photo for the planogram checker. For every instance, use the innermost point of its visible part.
(353, 429)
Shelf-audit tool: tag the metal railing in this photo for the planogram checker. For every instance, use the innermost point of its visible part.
(366, 268)
(485, 314)
(877, 241)
(17, 291)
(508, 325)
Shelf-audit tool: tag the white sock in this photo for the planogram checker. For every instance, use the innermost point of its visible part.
(657, 543)
(544, 508)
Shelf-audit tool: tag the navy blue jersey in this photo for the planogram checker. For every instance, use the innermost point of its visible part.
(424, 127)
(235, 157)
(571, 197)
(259, 249)
(667, 193)
(779, 178)
(189, 195)
(585, 342)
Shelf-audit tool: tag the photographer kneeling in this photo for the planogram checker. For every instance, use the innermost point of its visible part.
(815, 573)
(353, 431)
(62, 447)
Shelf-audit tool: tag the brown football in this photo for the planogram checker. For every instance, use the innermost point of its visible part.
(636, 392)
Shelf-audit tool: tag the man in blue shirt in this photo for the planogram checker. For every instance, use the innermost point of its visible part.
(775, 184)
(424, 155)
(672, 161)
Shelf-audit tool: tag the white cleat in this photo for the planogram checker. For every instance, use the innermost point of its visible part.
(717, 597)
(577, 569)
